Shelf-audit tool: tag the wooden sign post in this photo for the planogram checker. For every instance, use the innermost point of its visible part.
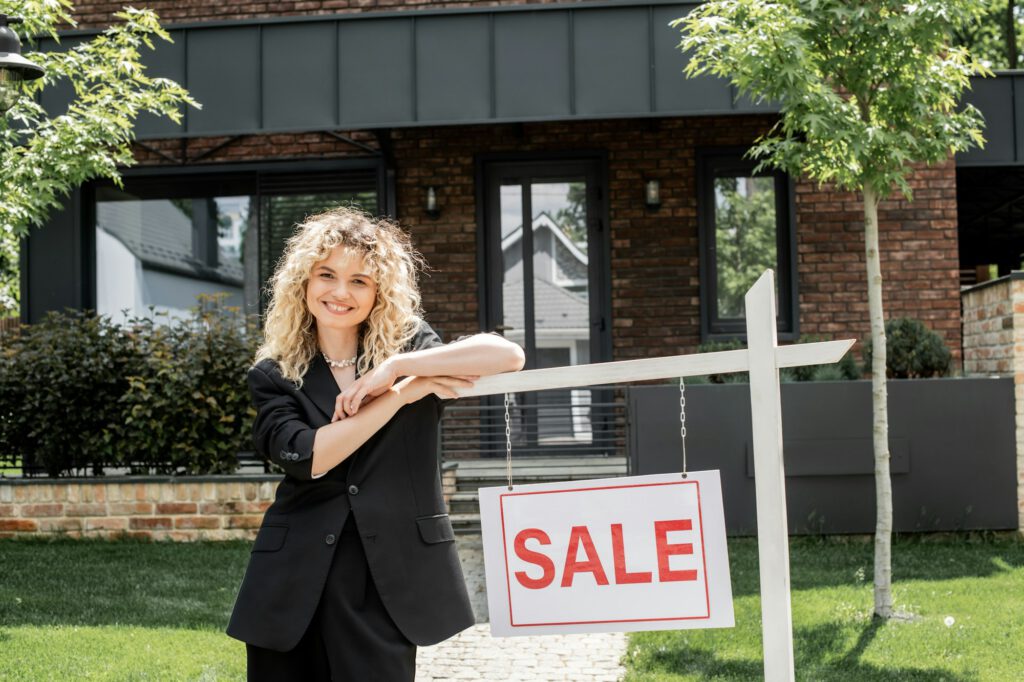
(763, 358)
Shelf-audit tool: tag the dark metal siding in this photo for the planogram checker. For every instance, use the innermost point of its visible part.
(377, 78)
(462, 66)
(996, 99)
(532, 65)
(951, 441)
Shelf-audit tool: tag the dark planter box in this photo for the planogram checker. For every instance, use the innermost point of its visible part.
(954, 464)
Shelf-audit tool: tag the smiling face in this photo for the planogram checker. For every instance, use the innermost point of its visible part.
(340, 293)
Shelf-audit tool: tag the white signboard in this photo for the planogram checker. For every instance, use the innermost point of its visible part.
(607, 555)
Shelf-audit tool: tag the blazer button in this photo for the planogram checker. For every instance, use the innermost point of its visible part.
(353, 490)
(330, 539)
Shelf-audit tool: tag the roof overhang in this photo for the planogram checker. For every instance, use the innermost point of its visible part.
(556, 62)
(428, 67)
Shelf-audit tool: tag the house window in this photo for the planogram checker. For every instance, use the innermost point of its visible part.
(163, 241)
(746, 227)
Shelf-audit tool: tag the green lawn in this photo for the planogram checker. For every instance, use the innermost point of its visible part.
(9, 468)
(130, 610)
(123, 610)
(978, 582)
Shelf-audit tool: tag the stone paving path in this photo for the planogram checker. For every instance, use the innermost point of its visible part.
(474, 655)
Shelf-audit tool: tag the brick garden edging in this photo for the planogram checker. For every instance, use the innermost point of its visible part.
(154, 507)
(228, 507)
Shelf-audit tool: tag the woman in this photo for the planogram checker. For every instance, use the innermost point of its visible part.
(355, 562)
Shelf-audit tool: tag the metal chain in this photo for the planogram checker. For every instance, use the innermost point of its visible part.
(508, 445)
(682, 421)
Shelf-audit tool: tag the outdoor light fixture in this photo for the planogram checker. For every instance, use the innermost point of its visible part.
(13, 67)
(652, 194)
(431, 208)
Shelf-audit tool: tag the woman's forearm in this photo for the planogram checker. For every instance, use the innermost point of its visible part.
(479, 355)
(335, 442)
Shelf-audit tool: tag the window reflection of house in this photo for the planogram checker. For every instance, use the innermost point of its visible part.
(163, 253)
(561, 319)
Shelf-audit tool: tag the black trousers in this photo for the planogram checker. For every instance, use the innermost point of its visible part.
(351, 637)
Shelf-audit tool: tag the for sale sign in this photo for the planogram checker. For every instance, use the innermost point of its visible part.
(609, 555)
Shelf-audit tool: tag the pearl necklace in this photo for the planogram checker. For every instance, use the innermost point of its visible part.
(340, 364)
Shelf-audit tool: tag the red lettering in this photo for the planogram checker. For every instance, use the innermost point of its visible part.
(622, 576)
(666, 550)
(578, 535)
(531, 557)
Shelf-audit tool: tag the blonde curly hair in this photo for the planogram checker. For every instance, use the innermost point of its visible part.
(289, 331)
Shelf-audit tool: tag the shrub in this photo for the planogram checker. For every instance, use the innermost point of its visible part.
(912, 350)
(79, 392)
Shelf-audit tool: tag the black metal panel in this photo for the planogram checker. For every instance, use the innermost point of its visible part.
(952, 441)
(462, 65)
(673, 91)
(612, 61)
(531, 64)
(166, 61)
(453, 68)
(376, 74)
(994, 97)
(836, 456)
(56, 98)
(53, 258)
(1017, 112)
(224, 75)
(300, 76)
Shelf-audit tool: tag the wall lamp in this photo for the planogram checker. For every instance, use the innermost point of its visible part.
(652, 194)
(431, 208)
(13, 67)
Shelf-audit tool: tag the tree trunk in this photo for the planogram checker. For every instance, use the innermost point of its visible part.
(883, 482)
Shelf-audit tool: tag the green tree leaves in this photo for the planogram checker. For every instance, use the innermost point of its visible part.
(864, 89)
(43, 158)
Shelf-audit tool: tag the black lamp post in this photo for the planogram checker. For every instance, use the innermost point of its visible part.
(13, 67)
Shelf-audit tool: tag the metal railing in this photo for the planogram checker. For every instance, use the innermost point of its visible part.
(579, 422)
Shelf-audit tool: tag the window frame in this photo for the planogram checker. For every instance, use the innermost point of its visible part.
(222, 179)
(713, 327)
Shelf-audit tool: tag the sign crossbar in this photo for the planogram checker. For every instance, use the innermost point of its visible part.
(670, 367)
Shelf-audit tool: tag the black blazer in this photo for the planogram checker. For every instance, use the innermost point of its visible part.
(393, 490)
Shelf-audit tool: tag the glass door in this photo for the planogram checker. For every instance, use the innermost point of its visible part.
(546, 278)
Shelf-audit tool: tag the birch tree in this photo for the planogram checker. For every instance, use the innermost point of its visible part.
(43, 157)
(865, 90)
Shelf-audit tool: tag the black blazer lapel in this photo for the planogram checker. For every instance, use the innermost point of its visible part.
(320, 386)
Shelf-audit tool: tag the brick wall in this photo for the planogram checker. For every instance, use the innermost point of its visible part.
(210, 508)
(989, 329)
(157, 508)
(655, 255)
(919, 251)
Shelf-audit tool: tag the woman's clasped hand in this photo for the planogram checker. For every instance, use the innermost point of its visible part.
(383, 378)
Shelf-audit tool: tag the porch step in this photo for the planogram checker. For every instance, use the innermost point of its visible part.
(463, 503)
(475, 473)
(465, 524)
(471, 475)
